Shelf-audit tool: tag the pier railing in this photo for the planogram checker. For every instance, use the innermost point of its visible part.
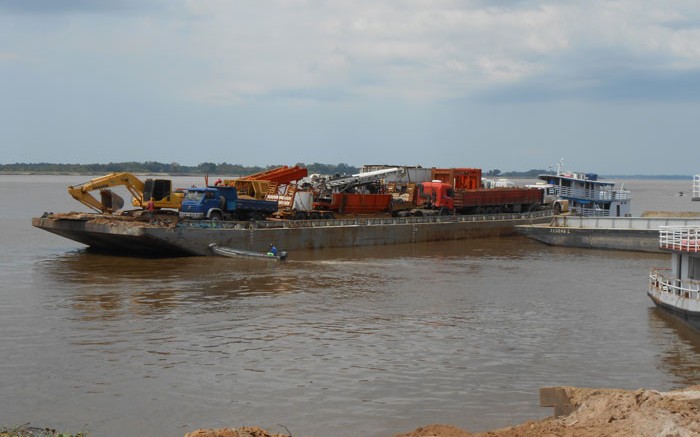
(696, 187)
(659, 280)
(680, 238)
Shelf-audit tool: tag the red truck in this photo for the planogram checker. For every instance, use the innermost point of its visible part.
(439, 198)
(459, 191)
(451, 191)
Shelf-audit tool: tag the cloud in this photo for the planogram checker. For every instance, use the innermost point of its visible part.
(432, 50)
(219, 51)
(372, 73)
(52, 7)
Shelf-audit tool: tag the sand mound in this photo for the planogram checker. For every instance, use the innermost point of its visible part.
(595, 413)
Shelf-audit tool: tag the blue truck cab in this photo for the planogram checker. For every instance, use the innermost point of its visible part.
(223, 203)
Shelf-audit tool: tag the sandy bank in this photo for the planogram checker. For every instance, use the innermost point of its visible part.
(583, 412)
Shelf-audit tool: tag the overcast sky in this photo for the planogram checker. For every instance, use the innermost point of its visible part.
(611, 87)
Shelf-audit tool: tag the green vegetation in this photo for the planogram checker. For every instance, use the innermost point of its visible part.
(152, 167)
(226, 169)
(30, 431)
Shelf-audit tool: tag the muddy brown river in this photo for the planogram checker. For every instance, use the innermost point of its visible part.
(343, 342)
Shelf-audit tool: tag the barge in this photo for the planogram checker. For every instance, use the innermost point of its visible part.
(677, 289)
(619, 233)
(163, 236)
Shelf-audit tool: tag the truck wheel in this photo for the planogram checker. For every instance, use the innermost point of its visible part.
(328, 215)
(314, 215)
(444, 211)
(215, 216)
(300, 215)
(257, 217)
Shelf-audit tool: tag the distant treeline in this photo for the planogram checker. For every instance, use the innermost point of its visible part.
(226, 169)
(152, 167)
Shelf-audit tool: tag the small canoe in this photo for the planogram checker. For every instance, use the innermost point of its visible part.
(233, 253)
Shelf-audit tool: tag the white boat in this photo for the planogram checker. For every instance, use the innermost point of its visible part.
(677, 289)
(583, 194)
(234, 253)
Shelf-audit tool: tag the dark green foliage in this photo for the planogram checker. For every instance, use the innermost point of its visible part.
(152, 167)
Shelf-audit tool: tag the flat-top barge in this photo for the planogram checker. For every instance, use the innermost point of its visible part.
(167, 236)
(639, 234)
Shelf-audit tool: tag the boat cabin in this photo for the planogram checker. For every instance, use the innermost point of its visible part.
(583, 194)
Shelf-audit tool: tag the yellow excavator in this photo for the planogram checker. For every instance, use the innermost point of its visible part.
(159, 189)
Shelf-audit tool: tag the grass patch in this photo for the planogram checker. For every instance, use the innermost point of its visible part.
(32, 431)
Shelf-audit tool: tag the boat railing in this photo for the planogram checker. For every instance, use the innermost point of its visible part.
(600, 194)
(626, 223)
(622, 194)
(586, 193)
(590, 211)
(360, 221)
(660, 281)
(680, 238)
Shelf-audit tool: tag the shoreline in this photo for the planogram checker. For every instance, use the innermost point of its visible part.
(578, 412)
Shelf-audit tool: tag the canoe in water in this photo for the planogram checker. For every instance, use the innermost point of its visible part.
(233, 253)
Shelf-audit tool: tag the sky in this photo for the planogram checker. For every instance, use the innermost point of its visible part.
(611, 87)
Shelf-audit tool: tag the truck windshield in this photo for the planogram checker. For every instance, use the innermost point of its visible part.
(195, 195)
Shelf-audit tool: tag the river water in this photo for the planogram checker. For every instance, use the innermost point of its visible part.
(343, 342)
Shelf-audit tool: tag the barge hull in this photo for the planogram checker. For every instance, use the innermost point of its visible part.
(640, 234)
(614, 239)
(194, 238)
(108, 236)
(669, 303)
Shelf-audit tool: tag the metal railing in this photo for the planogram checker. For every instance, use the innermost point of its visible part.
(688, 288)
(590, 212)
(696, 187)
(600, 194)
(359, 221)
(680, 238)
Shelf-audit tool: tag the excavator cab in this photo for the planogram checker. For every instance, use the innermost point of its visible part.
(158, 189)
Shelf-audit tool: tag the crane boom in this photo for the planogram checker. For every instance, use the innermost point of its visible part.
(344, 182)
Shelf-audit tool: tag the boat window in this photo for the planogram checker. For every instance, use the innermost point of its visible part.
(694, 268)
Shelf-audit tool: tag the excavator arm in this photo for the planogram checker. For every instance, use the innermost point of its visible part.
(82, 192)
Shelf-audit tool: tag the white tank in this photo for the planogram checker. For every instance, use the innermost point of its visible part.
(303, 201)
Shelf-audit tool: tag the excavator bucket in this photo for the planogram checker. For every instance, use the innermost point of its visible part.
(111, 200)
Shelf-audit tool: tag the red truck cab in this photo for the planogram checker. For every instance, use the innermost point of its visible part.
(435, 194)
